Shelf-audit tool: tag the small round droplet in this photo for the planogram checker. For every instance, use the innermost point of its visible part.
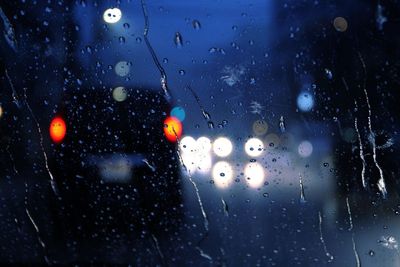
(196, 24)
(126, 25)
(371, 253)
(178, 40)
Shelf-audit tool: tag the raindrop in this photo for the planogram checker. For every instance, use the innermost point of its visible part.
(126, 25)
(121, 39)
(178, 40)
(371, 253)
(138, 40)
(89, 49)
(182, 72)
(329, 74)
(196, 24)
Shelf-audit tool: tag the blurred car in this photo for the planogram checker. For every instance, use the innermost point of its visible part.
(116, 173)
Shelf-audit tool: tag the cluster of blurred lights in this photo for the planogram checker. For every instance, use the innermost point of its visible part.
(197, 155)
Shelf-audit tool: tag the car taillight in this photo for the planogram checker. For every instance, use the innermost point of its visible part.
(57, 129)
(172, 129)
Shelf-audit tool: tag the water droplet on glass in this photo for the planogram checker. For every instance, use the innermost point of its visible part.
(178, 40)
(196, 24)
(329, 74)
(371, 253)
(89, 49)
(126, 25)
(121, 39)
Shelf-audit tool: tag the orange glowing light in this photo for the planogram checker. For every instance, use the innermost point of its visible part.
(172, 129)
(57, 129)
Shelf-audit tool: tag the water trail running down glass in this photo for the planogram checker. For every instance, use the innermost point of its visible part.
(381, 182)
(362, 157)
(302, 195)
(205, 114)
(163, 74)
(199, 201)
(46, 162)
(321, 237)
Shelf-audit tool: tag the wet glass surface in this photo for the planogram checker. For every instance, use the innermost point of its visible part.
(207, 133)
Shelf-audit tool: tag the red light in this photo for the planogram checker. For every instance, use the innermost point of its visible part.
(57, 129)
(172, 129)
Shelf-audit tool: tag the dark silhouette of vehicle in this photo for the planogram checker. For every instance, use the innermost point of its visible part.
(116, 172)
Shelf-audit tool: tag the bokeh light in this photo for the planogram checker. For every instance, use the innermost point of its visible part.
(340, 24)
(112, 15)
(305, 149)
(179, 113)
(119, 94)
(204, 162)
(255, 174)
(190, 161)
(172, 129)
(222, 174)
(305, 101)
(122, 68)
(260, 127)
(254, 147)
(57, 129)
(188, 145)
(272, 140)
(203, 144)
(222, 147)
(1, 112)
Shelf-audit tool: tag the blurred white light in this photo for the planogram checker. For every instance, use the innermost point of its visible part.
(188, 145)
(222, 174)
(254, 147)
(119, 94)
(190, 161)
(112, 15)
(204, 162)
(122, 68)
(305, 101)
(255, 174)
(305, 149)
(222, 147)
(203, 144)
